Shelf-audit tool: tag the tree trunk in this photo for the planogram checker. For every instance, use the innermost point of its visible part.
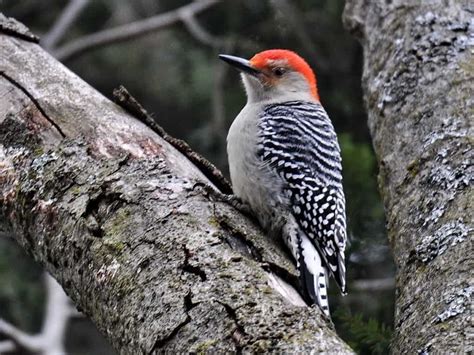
(418, 82)
(112, 211)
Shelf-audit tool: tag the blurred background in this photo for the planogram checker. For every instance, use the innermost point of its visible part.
(174, 72)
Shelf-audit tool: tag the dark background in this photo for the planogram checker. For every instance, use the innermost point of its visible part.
(194, 96)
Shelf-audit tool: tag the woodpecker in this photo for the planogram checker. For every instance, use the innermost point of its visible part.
(285, 164)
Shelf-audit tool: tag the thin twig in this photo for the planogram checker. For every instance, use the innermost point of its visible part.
(130, 31)
(128, 102)
(374, 284)
(51, 338)
(7, 346)
(18, 337)
(199, 32)
(69, 15)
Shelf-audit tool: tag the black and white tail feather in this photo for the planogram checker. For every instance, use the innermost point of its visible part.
(297, 140)
(313, 274)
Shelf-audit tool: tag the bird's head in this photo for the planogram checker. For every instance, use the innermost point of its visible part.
(276, 74)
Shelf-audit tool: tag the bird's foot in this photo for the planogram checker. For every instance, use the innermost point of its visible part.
(217, 196)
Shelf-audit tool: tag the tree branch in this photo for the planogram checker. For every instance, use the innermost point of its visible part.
(69, 15)
(7, 346)
(51, 338)
(123, 98)
(418, 91)
(131, 30)
(113, 212)
(374, 284)
(197, 31)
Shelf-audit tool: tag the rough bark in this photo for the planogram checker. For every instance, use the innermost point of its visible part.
(112, 211)
(418, 83)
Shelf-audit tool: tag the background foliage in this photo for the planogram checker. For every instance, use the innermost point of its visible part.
(195, 97)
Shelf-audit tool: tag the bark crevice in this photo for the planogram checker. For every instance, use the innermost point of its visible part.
(239, 336)
(33, 100)
(192, 269)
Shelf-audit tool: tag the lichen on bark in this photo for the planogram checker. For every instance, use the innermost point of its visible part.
(419, 96)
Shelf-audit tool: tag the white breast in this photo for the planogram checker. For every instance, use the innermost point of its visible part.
(253, 182)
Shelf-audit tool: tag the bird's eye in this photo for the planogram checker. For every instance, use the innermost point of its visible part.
(279, 71)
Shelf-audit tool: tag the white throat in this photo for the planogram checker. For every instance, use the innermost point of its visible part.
(293, 87)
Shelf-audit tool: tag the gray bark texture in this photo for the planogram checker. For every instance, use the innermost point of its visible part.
(418, 82)
(112, 211)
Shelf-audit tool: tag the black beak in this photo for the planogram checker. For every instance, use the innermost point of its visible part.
(240, 63)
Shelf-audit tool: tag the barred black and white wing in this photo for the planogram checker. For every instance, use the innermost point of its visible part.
(298, 142)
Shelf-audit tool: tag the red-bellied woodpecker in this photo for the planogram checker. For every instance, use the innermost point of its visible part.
(285, 164)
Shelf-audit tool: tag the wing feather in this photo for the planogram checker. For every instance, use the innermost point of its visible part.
(297, 140)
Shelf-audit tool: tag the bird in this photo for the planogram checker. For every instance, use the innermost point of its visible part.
(285, 165)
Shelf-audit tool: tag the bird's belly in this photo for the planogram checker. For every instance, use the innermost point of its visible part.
(252, 181)
(261, 193)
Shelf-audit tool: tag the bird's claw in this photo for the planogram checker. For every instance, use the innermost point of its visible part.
(217, 196)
